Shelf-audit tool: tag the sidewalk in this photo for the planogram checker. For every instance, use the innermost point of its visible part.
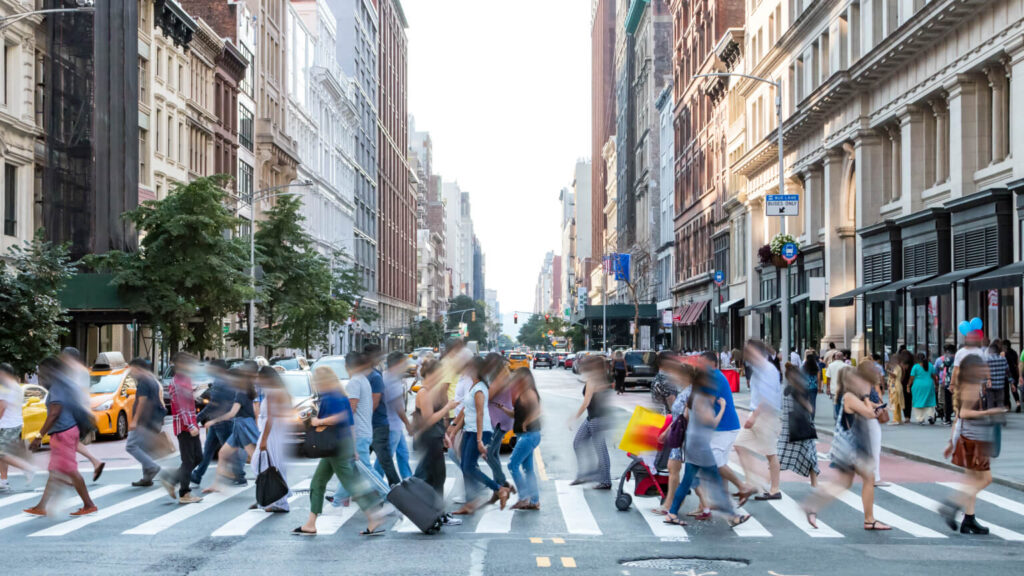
(926, 443)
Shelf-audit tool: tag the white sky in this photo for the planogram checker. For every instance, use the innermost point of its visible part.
(504, 90)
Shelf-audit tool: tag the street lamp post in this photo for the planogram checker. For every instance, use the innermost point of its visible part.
(257, 196)
(83, 6)
(784, 279)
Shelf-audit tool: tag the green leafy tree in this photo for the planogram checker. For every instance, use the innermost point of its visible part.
(477, 327)
(534, 332)
(190, 271)
(426, 333)
(31, 278)
(505, 342)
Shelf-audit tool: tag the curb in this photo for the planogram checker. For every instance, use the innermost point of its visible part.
(1001, 480)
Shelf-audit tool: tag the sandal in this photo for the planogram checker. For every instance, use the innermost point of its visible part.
(674, 520)
(704, 516)
(767, 496)
(85, 511)
(812, 519)
(745, 495)
(98, 471)
(876, 526)
(737, 520)
(659, 511)
(374, 532)
(300, 532)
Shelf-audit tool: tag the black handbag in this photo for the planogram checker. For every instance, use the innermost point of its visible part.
(801, 427)
(320, 442)
(270, 485)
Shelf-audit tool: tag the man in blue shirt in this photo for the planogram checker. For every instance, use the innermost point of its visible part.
(381, 445)
(221, 396)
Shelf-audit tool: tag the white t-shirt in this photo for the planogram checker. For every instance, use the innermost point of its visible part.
(831, 371)
(965, 352)
(13, 398)
(358, 388)
(461, 389)
(794, 358)
(765, 386)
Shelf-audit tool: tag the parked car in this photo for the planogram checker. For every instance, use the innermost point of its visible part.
(543, 359)
(33, 411)
(300, 387)
(112, 399)
(290, 362)
(641, 367)
(336, 363)
(569, 361)
(560, 358)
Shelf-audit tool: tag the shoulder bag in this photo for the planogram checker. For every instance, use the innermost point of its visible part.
(320, 442)
(801, 427)
(844, 443)
(270, 484)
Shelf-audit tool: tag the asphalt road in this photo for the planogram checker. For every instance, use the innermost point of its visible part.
(143, 531)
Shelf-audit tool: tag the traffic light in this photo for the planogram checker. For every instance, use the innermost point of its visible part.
(472, 316)
(547, 317)
(515, 318)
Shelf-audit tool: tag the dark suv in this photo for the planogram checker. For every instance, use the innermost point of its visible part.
(641, 367)
(543, 358)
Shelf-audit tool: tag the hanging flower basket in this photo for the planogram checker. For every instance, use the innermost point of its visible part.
(771, 253)
(779, 262)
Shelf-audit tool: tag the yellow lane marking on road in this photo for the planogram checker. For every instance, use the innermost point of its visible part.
(543, 562)
(558, 540)
(538, 463)
(568, 562)
(536, 540)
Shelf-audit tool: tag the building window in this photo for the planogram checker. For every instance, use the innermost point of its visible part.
(245, 179)
(245, 127)
(143, 158)
(159, 62)
(246, 84)
(10, 73)
(10, 192)
(170, 136)
(143, 79)
(159, 121)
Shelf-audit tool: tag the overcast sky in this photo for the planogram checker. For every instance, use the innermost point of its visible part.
(504, 90)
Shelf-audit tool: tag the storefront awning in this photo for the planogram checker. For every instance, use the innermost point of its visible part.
(693, 312)
(941, 284)
(891, 291)
(800, 298)
(1009, 276)
(846, 298)
(759, 307)
(724, 307)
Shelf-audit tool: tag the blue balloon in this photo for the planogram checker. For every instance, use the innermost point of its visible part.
(964, 327)
(976, 323)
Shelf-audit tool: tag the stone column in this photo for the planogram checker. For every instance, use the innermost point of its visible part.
(894, 182)
(963, 134)
(754, 219)
(1016, 70)
(838, 276)
(814, 203)
(996, 74)
(913, 158)
(940, 109)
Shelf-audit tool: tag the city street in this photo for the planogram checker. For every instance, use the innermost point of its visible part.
(142, 530)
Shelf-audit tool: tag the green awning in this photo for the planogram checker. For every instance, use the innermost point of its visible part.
(619, 312)
(847, 298)
(636, 9)
(91, 292)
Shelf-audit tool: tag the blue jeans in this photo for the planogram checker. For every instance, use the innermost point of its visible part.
(713, 484)
(471, 473)
(521, 462)
(399, 451)
(493, 455)
(216, 436)
(363, 454)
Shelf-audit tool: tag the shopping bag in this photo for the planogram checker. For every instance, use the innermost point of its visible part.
(642, 431)
(270, 484)
(163, 446)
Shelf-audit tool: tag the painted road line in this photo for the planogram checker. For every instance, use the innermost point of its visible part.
(792, 511)
(934, 505)
(568, 562)
(405, 526)
(558, 540)
(538, 464)
(543, 562)
(882, 515)
(495, 521)
(19, 498)
(575, 510)
(667, 532)
(334, 518)
(104, 513)
(241, 524)
(751, 528)
(21, 517)
(161, 523)
(1004, 503)
(536, 540)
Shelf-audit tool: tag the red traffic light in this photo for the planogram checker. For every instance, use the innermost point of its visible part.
(515, 318)
(547, 317)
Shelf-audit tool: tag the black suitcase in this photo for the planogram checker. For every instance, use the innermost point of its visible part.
(418, 502)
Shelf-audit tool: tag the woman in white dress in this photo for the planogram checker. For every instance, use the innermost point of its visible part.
(274, 421)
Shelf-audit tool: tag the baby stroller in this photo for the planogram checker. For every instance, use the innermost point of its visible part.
(647, 481)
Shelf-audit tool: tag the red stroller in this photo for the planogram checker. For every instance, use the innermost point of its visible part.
(647, 481)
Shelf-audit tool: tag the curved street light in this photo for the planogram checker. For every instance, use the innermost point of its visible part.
(83, 6)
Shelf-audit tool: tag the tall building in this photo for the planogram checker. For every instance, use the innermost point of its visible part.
(542, 298)
(431, 262)
(557, 286)
(396, 197)
(466, 237)
(602, 106)
(454, 240)
(479, 270)
(357, 51)
(665, 274)
(582, 192)
(568, 235)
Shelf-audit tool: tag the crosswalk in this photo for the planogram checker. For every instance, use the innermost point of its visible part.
(911, 510)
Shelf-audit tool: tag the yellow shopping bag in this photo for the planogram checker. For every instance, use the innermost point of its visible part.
(642, 431)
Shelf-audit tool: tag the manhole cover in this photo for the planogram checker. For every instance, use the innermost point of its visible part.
(685, 563)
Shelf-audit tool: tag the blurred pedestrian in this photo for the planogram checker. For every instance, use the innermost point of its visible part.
(244, 431)
(894, 383)
(432, 406)
(971, 444)
(275, 424)
(1007, 351)
(476, 421)
(220, 397)
(619, 369)
(360, 396)
(681, 375)
(851, 452)
(12, 448)
(335, 412)
(663, 389)
(61, 427)
(500, 410)
(146, 422)
(398, 422)
(380, 439)
(760, 433)
(797, 447)
(944, 369)
(812, 373)
(871, 372)
(998, 377)
(526, 425)
(592, 461)
(186, 429)
(923, 383)
(79, 375)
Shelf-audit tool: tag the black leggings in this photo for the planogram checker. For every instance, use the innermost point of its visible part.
(191, 455)
(431, 468)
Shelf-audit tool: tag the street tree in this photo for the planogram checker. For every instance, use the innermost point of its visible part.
(477, 326)
(31, 277)
(426, 333)
(190, 271)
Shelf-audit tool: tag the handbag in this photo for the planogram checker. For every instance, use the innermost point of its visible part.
(319, 442)
(676, 436)
(844, 443)
(883, 416)
(270, 484)
(800, 426)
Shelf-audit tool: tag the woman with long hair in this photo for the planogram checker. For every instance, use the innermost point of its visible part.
(801, 455)
(594, 466)
(870, 371)
(971, 444)
(851, 452)
(812, 372)
(244, 433)
(526, 425)
(894, 383)
(274, 422)
(476, 421)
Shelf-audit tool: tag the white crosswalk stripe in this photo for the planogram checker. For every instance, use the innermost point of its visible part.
(933, 505)
(886, 517)
(792, 511)
(406, 526)
(334, 518)
(575, 511)
(161, 523)
(751, 528)
(1004, 503)
(495, 520)
(104, 513)
(241, 524)
(21, 517)
(667, 532)
(19, 498)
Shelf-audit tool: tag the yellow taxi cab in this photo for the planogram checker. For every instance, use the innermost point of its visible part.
(518, 360)
(33, 411)
(112, 397)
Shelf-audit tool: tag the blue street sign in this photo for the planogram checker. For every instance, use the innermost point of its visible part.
(789, 251)
(621, 264)
(719, 277)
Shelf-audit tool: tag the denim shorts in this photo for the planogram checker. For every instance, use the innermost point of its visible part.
(244, 433)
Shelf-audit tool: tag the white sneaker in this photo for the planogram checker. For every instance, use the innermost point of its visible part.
(449, 520)
(4, 486)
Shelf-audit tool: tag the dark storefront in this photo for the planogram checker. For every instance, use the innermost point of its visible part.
(769, 323)
(619, 317)
(807, 315)
(881, 263)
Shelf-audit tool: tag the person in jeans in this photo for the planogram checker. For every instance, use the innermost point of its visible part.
(335, 411)
(526, 425)
(63, 432)
(146, 422)
(499, 408)
(11, 422)
(944, 368)
(398, 421)
(477, 423)
(360, 396)
(381, 435)
(244, 432)
(186, 429)
(220, 396)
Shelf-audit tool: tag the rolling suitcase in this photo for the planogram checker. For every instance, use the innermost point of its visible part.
(418, 502)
